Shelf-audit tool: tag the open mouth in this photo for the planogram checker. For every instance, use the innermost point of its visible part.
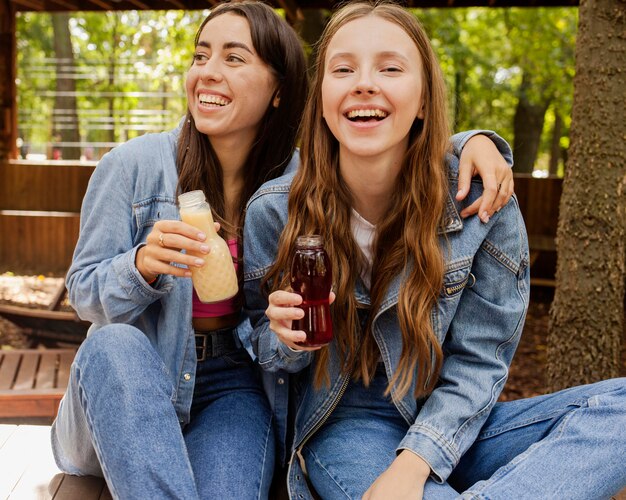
(213, 100)
(366, 115)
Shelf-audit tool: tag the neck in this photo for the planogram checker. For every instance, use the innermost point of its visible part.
(232, 157)
(372, 183)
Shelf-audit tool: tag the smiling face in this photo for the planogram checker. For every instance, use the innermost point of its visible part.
(372, 88)
(229, 87)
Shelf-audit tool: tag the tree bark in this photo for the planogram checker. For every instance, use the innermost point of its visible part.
(65, 119)
(587, 314)
(527, 128)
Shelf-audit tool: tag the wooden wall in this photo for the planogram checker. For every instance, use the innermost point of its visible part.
(40, 206)
(39, 215)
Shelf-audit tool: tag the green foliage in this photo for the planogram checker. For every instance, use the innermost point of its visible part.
(131, 68)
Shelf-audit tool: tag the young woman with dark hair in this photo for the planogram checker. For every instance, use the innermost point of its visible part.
(427, 310)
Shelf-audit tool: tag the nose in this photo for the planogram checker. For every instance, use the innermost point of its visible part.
(211, 70)
(366, 85)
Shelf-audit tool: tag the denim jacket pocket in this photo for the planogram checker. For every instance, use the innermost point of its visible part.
(148, 212)
(456, 280)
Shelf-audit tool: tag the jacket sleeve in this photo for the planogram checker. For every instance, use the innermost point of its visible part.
(262, 232)
(459, 140)
(103, 282)
(478, 348)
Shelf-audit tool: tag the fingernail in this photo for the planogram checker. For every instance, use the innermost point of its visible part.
(485, 217)
(460, 191)
(199, 262)
(204, 248)
(201, 236)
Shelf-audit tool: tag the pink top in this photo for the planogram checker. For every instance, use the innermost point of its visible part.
(228, 306)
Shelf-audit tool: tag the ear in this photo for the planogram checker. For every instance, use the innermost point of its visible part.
(421, 112)
(276, 100)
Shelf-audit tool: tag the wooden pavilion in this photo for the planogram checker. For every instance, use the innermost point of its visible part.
(40, 201)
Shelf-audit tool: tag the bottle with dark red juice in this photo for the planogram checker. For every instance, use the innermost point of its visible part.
(311, 278)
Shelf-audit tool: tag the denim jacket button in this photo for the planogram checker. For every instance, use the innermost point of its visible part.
(187, 377)
(281, 381)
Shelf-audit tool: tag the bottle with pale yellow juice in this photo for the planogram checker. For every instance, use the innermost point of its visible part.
(216, 280)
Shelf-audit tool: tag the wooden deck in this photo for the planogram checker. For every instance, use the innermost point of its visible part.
(32, 382)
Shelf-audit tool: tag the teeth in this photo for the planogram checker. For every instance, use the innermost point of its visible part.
(365, 113)
(213, 99)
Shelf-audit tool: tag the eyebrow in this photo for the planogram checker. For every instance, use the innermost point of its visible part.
(228, 45)
(387, 53)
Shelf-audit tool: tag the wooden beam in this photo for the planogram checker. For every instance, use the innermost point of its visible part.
(139, 4)
(176, 3)
(100, 3)
(30, 4)
(67, 5)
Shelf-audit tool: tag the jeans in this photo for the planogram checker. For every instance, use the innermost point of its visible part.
(117, 420)
(566, 445)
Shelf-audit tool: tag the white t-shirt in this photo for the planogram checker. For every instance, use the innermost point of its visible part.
(363, 232)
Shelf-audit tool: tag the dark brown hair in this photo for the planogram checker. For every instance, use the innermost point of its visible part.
(279, 47)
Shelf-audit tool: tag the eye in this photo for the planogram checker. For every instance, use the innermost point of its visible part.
(234, 58)
(392, 69)
(199, 58)
(341, 69)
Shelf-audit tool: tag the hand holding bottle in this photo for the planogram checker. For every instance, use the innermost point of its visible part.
(163, 248)
(283, 311)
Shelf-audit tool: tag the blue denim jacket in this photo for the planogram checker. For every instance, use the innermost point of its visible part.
(133, 187)
(478, 320)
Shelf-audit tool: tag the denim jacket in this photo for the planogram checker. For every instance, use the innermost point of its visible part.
(133, 187)
(478, 320)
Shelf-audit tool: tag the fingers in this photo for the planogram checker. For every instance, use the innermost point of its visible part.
(493, 197)
(466, 172)
(163, 248)
(281, 312)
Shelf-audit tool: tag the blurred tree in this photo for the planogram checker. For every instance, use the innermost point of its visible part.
(65, 115)
(587, 314)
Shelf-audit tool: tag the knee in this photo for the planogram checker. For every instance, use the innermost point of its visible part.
(113, 349)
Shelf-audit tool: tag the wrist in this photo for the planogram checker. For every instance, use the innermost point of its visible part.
(414, 464)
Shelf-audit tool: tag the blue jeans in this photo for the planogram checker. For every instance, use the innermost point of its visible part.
(567, 445)
(117, 421)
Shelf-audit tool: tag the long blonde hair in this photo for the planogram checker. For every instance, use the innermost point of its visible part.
(406, 242)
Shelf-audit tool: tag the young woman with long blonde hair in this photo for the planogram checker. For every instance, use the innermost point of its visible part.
(427, 310)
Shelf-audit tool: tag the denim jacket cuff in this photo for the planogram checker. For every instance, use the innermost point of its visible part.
(133, 283)
(431, 445)
(460, 140)
(290, 354)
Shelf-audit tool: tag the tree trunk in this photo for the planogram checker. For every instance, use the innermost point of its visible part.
(587, 315)
(555, 146)
(65, 118)
(527, 128)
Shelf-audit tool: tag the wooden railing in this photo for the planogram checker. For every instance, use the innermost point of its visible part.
(40, 206)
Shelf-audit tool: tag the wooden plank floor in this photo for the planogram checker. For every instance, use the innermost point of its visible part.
(28, 471)
(32, 381)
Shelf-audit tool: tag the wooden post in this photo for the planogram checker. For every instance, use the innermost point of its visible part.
(8, 101)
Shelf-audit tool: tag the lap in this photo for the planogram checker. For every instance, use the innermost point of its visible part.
(230, 439)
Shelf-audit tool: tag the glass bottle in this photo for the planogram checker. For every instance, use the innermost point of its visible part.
(216, 280)
(311, 278)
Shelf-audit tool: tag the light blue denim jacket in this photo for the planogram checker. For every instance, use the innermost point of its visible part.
(478, 320)
(133, 187)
